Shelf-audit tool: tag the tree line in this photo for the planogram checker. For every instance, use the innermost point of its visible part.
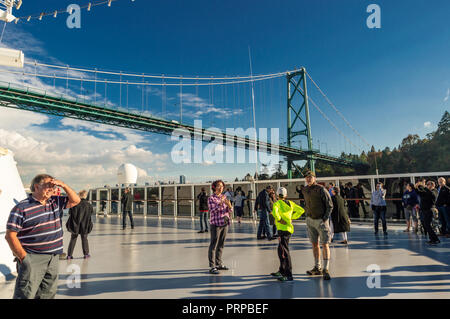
(430, 154)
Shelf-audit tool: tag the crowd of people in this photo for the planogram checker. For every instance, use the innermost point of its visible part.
(328, 209)
(35, 234)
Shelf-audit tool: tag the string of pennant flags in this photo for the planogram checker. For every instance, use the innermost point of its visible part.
(55, 13)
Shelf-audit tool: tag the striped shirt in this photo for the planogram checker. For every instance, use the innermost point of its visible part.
(38, 226)
(217, 210)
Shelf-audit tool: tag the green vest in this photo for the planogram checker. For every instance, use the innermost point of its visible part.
(314, 206)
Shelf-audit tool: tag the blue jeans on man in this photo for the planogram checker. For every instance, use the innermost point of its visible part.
(444, 217)
(124, 219)
(264, 225)
(204, 221)
(379, 211)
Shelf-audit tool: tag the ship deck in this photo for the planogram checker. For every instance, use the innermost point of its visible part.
(167, 258)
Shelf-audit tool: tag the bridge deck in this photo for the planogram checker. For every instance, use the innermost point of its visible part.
(166, 258)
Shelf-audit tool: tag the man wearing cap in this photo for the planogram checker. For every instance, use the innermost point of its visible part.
(284, 211)
(262, 206)
(318, 207)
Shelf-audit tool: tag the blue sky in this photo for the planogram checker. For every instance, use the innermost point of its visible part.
(387, 82)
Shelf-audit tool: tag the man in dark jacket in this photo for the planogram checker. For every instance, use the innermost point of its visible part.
(318, 207)
(203, 210)
(428, 196)
(443, 206)
(351, 201)
(127, 202)
(262, 206)
(360, 194)
(80, 223)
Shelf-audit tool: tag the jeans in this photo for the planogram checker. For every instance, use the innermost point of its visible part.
(124, 220)
(84, 244)
(444, 217)
(379, 211)
(264, 225)
(218, 236)
(204, 220)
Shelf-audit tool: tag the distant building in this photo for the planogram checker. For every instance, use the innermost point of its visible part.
(182, 179)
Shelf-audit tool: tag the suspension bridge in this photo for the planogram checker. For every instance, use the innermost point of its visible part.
(91, 95)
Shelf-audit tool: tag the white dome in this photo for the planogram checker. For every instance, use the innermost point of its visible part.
(127, 174)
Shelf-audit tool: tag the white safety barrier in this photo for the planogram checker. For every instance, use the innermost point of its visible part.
(11, 192)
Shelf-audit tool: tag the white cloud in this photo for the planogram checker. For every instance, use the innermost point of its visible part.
(447, 95)
(427, 124)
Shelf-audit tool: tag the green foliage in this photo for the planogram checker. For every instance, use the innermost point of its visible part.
(413, 155)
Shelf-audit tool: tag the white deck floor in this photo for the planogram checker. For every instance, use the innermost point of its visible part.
(166, 258)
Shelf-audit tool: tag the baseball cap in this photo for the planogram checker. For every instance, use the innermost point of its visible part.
(282, 191)
(310, 173)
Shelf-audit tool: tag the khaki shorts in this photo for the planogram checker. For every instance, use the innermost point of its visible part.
(318, 228)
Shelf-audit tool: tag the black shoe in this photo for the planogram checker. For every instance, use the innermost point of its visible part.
(276, 274)
(275, 236)
(326, 275)
(284, 278)
(433, 242)
(214, 271)
(206, 231)
(132, 227)
(199, 232)
(123, 228)
(271, 238)
(376, 232)
(222, 267)
(385, 233)
(314, 272)
(263, 237)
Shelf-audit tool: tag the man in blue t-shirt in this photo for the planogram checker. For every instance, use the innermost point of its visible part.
(35, 236)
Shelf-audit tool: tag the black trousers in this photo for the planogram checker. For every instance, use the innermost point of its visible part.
(427, 219)
(218, 235)
(84, 244)
(283, 253)
(124, 219)
(353, 209)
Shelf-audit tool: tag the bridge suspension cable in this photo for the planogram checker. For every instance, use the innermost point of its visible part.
(337, 111)
(162, 76)
(330, 121)
(55, 13)
(143, 83)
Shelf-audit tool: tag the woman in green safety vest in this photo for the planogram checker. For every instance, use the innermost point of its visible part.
(284, 211)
